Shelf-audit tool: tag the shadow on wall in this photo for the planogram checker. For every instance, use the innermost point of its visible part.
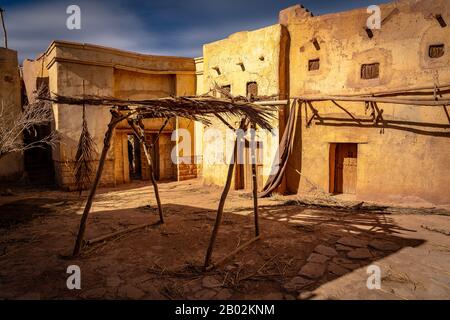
(381, 123)
(385, 124)
(39, 161)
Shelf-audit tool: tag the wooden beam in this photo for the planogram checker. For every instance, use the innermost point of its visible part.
(379, 113)
(159, 132)
(441, 20)
(315, 113)
(271, 102)
(223, 198)
(116, 233)
(416, 102)
(140, 134)
(411, 90)
(345, 110)
(225, 122)
(255, 180)
(233, 253)
(116, 117)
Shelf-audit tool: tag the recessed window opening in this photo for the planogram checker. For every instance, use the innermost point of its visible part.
(370, 71)
(436, 51)
(226, 88)
(313, 64)
(252, 89)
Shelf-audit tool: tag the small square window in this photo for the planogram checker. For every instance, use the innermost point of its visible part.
(252, 89)
(370, 71)
(313, 64)
(227, 89)
(436, 51)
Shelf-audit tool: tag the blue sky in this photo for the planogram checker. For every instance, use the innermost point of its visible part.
(166, 27)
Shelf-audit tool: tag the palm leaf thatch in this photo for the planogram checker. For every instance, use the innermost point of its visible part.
(84, 168)
(197, 108)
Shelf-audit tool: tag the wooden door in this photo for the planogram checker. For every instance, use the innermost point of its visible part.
(167, 168)
(248, 177)
(259, 167)
(150, 137)
(346, 168)
(239, 176)
(244, 175)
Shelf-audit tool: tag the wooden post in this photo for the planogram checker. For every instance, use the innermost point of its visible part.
(255, 180)
(140, 134)
(115, 119)
(222, 200)
(416, 102)
(4, 28)
(160, 131)
(152, 178)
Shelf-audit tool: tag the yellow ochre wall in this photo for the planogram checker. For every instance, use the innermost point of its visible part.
(262, 54)
(11, 165)
(405, 162)
(106, 72)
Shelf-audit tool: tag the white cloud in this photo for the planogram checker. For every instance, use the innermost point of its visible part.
(31, 28)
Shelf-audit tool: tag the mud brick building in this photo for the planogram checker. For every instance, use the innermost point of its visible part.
(381, 151)
(400, 155)
(11, 165)
(74, 69)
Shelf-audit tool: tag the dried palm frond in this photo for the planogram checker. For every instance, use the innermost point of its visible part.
(197, 108)
(84, 169)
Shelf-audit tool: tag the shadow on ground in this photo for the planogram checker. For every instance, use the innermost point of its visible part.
(301, 250)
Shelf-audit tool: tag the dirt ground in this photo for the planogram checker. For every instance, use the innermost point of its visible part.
(305, 252)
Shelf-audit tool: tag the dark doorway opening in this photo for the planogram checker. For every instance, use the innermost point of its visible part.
(134, 158)
(38, 161)
(137, 160)
(343, 168)
(252, 90)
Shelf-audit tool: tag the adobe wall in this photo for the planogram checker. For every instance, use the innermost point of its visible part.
(11, 165)
(108, 72)
(259, 53)
(408, 160)
(199, 128)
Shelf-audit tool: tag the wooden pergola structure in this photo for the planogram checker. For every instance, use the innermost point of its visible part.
(197, 108)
